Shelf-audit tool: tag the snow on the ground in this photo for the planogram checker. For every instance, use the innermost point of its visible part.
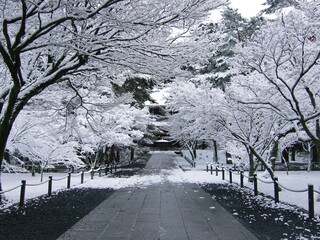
(12, 180)
(295, 180)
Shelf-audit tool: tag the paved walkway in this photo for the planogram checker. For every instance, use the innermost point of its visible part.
(166, 211)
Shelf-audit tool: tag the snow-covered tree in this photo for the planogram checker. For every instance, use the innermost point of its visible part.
(273, 6)
(195, 108)
(218, 40)
(90, 115)
(253, 128)
(283, 58)
(46, 42)
(38, 137)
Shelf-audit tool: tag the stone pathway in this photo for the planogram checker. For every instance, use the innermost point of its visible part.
(165, 211)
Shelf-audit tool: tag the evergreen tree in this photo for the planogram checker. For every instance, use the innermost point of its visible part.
(233, 29)
(139, 87)
(275, 5)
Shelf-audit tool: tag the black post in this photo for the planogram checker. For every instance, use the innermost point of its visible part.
(82, 177)
(50, 186)
(211, 169)
(22, 192)
(311, 201)
(69, 180)
(255, 184)
(230, 175)
(92, 173)
(276, 190)
(131, 154)
(241, 179)
(223, 173)
(207, 167)
(217, 171)
(99, 172)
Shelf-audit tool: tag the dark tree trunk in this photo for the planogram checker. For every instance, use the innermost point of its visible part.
(252, 167)
(112, 154)
(263, 162)
(5, 128)
(274, 154)
(215, 147)
(131, 154)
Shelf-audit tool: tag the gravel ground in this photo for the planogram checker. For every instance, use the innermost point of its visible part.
(48, 217)
(262, 217)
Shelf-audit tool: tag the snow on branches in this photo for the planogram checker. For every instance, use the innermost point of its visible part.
(43, 43)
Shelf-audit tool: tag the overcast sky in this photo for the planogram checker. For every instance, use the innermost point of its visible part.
(248, 8)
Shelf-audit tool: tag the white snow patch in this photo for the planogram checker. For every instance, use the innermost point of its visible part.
(295, 180)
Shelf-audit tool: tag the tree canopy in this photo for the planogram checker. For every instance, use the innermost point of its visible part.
(65, 54)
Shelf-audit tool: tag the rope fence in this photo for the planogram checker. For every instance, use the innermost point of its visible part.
(59, 179)
(36, 184)
(50, 181)
(277, 186)
(292, 190)
(11, 189)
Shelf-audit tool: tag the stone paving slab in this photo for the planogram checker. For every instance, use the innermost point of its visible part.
(166, 211)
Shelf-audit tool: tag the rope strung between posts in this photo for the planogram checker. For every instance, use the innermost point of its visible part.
(247, 176)
(77, 174)
(11, 189)
(271, 182)
(236, 173)
(36, 184)
(266, 182)
(59, 179)
(291, 190)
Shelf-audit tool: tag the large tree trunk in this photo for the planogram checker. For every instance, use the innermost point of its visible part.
(192, 147)
(317, 151)
(215, 151)
(274, 154)
(5, 128)
(112, 154)
(132, 154)
(252, 167)
(263, 162)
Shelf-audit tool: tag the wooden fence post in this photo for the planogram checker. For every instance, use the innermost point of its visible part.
(241, 178)
(50, 186)
(69, 180)
(82, 176)
(276, 190)
(223, 173)
(311, 201)
(22, 192)
(255, 184)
